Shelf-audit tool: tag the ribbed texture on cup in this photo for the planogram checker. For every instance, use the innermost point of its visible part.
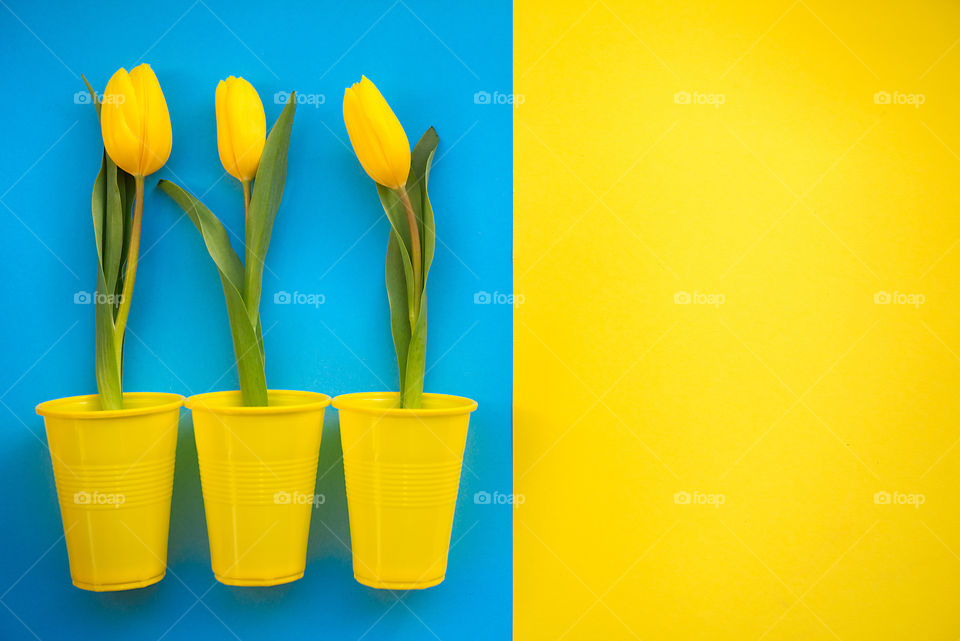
(402, 484)
(256, 483)
(113, 487)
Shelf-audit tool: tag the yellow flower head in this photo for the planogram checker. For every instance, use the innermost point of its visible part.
(135, 121)
(241, 127)
(377, 136)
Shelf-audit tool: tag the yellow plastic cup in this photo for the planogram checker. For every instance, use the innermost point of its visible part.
(402, 470)
(258, 471)
(114, 475)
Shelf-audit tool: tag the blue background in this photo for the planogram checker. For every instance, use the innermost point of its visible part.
(329, 239)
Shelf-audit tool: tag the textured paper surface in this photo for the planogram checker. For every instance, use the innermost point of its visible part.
(783, 199)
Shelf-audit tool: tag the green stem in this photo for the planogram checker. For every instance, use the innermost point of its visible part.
(415, 254)
(253, 383)
(246, 198)
(252, 267)
(414, 372)
(109, 360)
(131, 273)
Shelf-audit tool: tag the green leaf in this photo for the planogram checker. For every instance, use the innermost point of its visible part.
(247, 347)
(126, 184)
(414, 369)
(108, 353)
(264, 202)
(416, 360)
(408, 322)
(214, 234)
(98, 204)
(107, 358)
(420, 161)
(93, 96)
(399, 307)
(246, 332)
(398, 222)
(108, 232)
(113, 230)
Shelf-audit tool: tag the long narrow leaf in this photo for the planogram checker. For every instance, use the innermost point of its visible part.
(264, 202)
(247, 348)
(127, 187)
(398, 223)
(214, 234)
(421, 159)
(399, 309)
(108, 355)
(113, 232)
(416, 360)
(246, 333)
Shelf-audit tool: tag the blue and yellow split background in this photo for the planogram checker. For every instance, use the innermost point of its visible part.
(719, 368)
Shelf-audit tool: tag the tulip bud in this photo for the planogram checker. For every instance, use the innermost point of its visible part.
(135, 121)
(377, 136)
(241, 128)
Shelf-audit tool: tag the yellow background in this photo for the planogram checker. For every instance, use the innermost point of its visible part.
(798, 199)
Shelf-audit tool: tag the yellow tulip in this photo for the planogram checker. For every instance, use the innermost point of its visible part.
(135, 121)
(377, 136)
(241, 128)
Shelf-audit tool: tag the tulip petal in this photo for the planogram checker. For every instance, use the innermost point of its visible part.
(248, 126)
(157, 135)
(224, 138)
(387, 130)
(120, 122)
(368, 152)
(376, 134)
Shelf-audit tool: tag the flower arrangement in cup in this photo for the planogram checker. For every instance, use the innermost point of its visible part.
(115, 445)
(402, 453)
(259, 162)
(137, 139)
(381, 146)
